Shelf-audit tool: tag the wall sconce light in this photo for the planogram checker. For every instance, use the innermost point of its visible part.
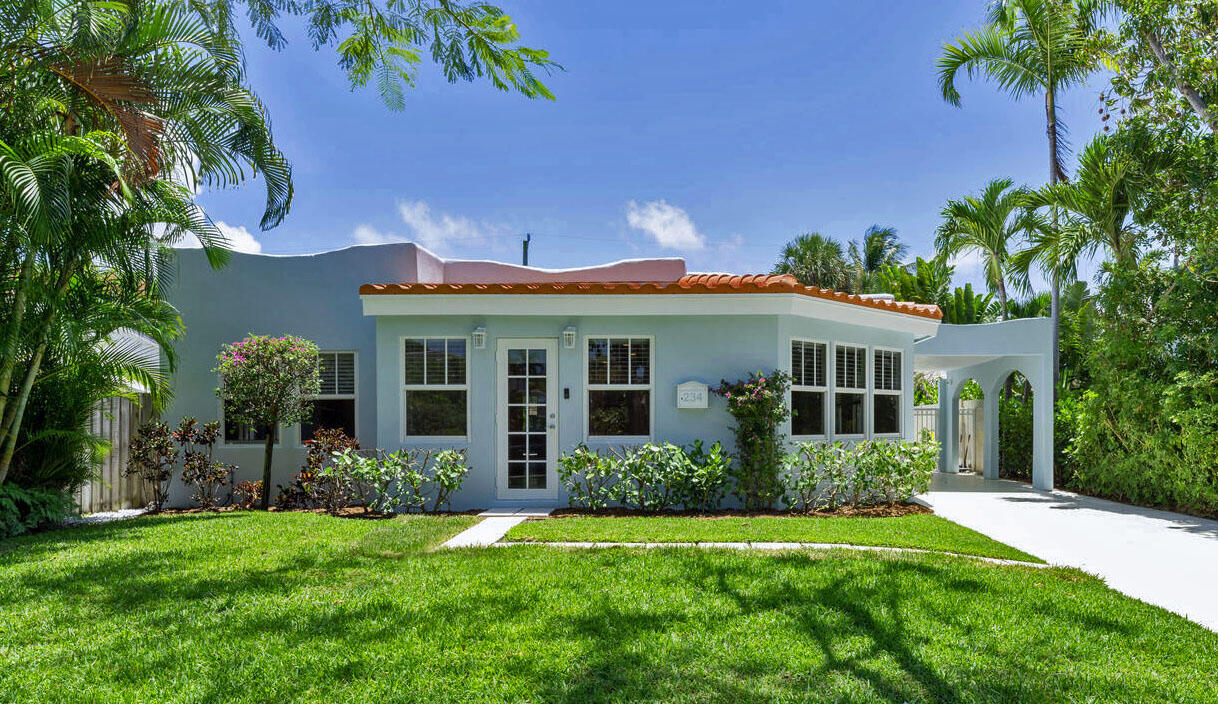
(568, 337)
(479, 337)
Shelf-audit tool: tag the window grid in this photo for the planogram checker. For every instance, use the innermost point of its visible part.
(434, 364)
(887, 370)
(851, 371)
(435, 361)
(620, 364)
(337, 372)
(808, 364)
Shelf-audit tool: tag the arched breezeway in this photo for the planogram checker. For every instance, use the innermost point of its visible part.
(989, 353)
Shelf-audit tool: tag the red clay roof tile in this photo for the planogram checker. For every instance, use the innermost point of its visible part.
(690, 283)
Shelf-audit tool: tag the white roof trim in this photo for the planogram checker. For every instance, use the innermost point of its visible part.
(646, 304)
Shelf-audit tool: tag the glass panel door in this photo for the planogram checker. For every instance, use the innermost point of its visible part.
(527, 414)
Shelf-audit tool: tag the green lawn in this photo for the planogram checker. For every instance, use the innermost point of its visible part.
(247, 607)
(923, 531)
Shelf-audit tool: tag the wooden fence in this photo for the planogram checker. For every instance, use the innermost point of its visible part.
(116, 420)
(971, 427)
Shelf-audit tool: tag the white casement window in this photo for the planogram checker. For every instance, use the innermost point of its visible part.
(849, 390)
(809, 377)
(619, 387)
(436, 386)
(886, 401)
(334, 404)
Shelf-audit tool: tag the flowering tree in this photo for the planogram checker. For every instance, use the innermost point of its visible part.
(265, 381)
(759, 405)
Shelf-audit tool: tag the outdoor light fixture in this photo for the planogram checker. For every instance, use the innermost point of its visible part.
(479, 337)
(568, 337)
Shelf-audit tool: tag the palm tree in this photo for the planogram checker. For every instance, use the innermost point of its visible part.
(880, 248)
(1099, 206)
(1033, 47)
(989, 226)
(104, 101)
(815, 260)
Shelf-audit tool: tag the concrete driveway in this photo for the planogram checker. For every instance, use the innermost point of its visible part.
(1167, 559)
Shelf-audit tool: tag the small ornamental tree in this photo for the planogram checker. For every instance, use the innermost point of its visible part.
(265, 381)
(759, 406)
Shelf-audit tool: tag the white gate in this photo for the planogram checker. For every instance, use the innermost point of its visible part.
(971, 426)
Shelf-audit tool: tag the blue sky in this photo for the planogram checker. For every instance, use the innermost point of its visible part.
(716, 131)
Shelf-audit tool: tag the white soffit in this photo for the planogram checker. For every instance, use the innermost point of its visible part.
(646, 304)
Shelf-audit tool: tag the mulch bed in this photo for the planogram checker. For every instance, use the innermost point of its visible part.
(840, 512)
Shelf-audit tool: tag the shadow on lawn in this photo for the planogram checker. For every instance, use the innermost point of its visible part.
(707, 626)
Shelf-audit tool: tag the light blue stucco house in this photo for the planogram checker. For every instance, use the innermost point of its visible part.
(516, 365)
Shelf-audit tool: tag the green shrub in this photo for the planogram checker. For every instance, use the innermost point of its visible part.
(758, 405)
(198, 468)
(448, 472)
(589, 477)
(152, 458)
(25, 510)
(650, 477)
(1015, 438)
(824, 476)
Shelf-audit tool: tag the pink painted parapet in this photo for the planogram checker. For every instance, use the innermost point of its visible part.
(486, 272)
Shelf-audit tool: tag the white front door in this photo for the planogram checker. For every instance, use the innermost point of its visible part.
(527, 418)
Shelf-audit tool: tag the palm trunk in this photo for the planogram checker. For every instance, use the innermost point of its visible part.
(12, 421)
(8, 356)
(1055, 176)
(1002, 297)
(268, 450)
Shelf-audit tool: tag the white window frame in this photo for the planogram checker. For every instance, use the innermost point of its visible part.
(824, 390)
(885, 392)
(650, 387)
(864, 391)
(404, 437)
(353, 397)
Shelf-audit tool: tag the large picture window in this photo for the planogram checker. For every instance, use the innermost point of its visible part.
(436, 388)
(334, 404)
(849, 390)
(886, 401)
(619, 387)
(808, 379)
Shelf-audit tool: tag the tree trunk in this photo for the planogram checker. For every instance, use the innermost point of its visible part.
(8, 355)
(1055, 176)
(12, 421)
(268, 450)
(1002, 296)
(1194, 99)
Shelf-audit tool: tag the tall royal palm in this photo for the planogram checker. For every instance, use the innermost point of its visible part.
(988, 225)
(1032, 47)
(815, 260)
(880, 248)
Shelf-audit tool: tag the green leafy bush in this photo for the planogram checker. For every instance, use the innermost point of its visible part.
(198, 468)
(650, 477)
(758, 405)
(1015, 438)
(448, 472)
(25, 510)
(153, 457)
(824, 476)
(589, 477)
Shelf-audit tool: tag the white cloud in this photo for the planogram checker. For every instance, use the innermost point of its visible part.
(670, 226)
(438, 232)
(239, 239)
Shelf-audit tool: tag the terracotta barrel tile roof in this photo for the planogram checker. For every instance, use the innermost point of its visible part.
(691, 283)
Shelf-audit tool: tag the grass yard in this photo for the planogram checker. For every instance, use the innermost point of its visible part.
(249, 607)
(923, 531)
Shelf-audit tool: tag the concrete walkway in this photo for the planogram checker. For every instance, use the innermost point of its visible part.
(494, 525)
(1167, 559)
